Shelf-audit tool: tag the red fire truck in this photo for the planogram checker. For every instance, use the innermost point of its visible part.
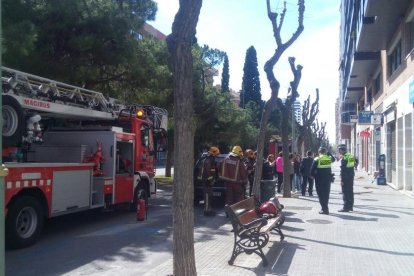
(69, 149)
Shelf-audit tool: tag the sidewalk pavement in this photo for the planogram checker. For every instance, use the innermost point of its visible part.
(376, 239)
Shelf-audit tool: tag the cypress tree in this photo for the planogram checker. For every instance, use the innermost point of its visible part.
(251, 82)
(225, 76)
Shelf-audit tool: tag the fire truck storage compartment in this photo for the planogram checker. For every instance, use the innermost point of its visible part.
(58, 153)
(97, 198)
(71, 190)
(82, 139)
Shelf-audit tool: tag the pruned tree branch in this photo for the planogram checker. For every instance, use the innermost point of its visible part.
(273, 82)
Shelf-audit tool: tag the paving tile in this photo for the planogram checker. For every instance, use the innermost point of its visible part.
(376, 239)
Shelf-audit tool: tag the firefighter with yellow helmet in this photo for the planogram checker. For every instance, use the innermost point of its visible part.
(234, 174)
(208, 174)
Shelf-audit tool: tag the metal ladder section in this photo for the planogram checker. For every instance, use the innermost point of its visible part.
(157, 115)
(27, 85)
(20, 84)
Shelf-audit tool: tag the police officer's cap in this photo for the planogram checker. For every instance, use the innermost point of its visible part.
(322, 149)
(342, 146)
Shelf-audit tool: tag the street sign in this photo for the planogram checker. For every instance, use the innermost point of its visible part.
(377, 119)
(364, 117)
(353, 118)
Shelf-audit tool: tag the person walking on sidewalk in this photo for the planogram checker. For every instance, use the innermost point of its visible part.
(305, 170)
(279, 171)
(250, 163)
(297, 178)
(347, 178)
(234, 175)
(322, 173)
(268, 171)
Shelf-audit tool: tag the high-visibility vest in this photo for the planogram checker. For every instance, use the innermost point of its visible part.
(324, 161)
(350, 160)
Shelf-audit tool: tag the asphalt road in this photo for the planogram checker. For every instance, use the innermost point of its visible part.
(96, 242)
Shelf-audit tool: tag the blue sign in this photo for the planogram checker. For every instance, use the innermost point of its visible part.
(411, 91)
(364, 117)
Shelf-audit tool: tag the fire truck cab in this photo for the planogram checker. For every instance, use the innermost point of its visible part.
(69, 149)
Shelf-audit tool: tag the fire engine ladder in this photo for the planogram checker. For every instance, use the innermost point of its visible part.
(45, 95)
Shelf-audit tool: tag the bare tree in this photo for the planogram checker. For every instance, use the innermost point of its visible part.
(179, 45)
(285, 112)
(318, 135)
(309, 113)
(271, 104)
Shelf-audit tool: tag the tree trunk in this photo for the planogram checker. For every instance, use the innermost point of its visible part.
(285, 149)
(269, 107)
(168, 163)
(273, 82)
(179, 44)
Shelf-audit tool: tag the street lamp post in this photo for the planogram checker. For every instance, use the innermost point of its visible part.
(293, 129)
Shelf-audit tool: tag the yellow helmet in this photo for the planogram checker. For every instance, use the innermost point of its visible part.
(214, 151)
(237, 150)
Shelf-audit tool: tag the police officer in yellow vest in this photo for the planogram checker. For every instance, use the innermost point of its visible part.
(322, 173)
(347, 178)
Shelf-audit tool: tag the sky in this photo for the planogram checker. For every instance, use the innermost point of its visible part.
(235, 25)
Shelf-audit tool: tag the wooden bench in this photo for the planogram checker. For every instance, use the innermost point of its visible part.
(251, 230)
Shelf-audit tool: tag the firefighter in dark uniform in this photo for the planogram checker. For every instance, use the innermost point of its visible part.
(234, 175)
(208, 174)
(322, 173)
(347, 178)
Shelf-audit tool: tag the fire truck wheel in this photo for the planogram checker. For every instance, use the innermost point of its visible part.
(13, 121)
(24, 222)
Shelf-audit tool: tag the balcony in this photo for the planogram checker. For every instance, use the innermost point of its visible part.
(375, 28)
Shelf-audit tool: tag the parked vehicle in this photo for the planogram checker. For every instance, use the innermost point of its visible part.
(219, 189)
(69, 149)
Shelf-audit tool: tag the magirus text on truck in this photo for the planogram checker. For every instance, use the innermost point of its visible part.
(69, 149)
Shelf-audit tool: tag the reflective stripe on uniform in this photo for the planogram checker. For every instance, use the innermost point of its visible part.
(224, 172)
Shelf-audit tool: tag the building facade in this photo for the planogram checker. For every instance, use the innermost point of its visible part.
(297, 111)
(376, 100)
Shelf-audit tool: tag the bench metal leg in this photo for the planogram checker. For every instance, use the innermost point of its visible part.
(277, 228)
(250, 244)
(279, 231)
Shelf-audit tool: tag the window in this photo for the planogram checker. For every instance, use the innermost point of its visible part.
(411, 28)
(394, 59)
(369, 96)
(377, 84)
(145, 136)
